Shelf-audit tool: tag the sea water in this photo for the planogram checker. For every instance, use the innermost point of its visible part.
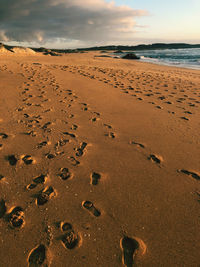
(187, 58)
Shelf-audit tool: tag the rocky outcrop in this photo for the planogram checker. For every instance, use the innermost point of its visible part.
(130, 56)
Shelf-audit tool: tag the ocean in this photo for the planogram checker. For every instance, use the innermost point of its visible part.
(186, 58)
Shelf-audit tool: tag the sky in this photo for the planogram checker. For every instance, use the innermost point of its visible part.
(85, 23)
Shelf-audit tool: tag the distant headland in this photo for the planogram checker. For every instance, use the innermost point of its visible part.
(121, 48)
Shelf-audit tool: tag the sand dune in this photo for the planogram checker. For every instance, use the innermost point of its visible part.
(99, 162)
(22, 50)
(3, 50)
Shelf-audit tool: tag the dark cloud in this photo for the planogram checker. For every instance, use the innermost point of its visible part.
(47, 20)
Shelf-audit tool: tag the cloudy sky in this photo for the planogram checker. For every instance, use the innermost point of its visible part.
(83, 23)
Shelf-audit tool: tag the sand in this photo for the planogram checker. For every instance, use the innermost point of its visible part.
(99, 162)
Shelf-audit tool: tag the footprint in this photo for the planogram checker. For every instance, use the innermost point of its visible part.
(2, 208)
(193, 174)
(50, 156)
(70, 240)
(74, 127)
(73, 161)
(38, 180)
(11, 159)
(88, 205)
(45, 195)
(130, 248)
(27, 159)
(70, 134)
(108, 126)
(16, 217)
(155, 158)
(95, 177)
(37, 256)
(80, 150)
(184, 118)
(42, 144)
(31, 133)
(137, 144)
(110, 134)
(3, 136)
(61, 143)
(65, 173)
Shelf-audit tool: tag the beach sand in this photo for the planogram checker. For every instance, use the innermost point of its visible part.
(99, 162)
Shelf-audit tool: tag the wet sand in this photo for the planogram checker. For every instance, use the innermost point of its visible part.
(99, 162)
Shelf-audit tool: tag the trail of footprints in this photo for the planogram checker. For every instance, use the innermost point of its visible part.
(142, 86)
(35, 101)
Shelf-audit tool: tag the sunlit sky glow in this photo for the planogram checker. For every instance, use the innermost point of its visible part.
(78, 23)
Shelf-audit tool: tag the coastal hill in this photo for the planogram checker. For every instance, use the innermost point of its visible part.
(109, 48)
(144, 47)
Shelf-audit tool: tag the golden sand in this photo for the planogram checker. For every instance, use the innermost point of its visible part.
(99, 162)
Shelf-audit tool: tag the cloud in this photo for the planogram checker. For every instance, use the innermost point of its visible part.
(49, 20)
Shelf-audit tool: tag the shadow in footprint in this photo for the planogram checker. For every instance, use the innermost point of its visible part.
(80, 150)
(27, 159)
(37, 256)
(38, 180)
(2, 208)
(16, 217)
(155, 158)
(65, 174)
(70, 239)
(3, 135)
(45, 195)
(129, 248)
(190, 173)
(137, 144)
(88, 205)
(95, 177)
(11, 159)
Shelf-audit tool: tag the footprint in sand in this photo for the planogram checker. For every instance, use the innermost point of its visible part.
(184, 118)
(12, 159)
(80, 149)
(27, 159)
(130, 248)
(38, 180)
(50, 156)
(95, 119)
(70, 239)
(74, 127)
(3, 136)
(137, 144)
(155, 158)
(61, 142)
(95, 177)
(107, 126)
(2, 208)
(37, 256)
(42, 144)
(110, 134)
(88, 205)
(45, 195)
(65, 174)
(70, 134)
(190, 173)
(73, 161)
(30, 133)
(16, 217)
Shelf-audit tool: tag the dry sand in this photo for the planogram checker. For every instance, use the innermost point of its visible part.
(99, 162)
